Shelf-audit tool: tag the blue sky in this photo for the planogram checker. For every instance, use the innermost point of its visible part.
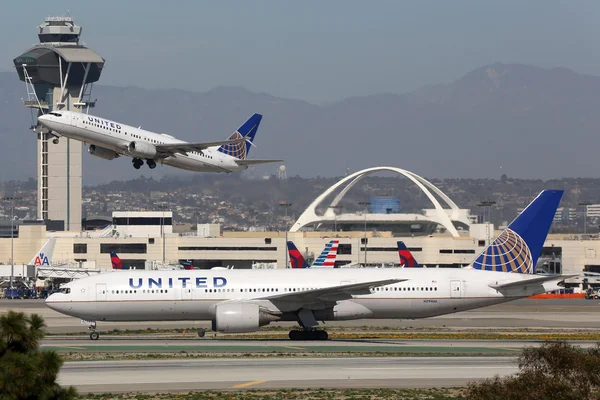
(318, 51)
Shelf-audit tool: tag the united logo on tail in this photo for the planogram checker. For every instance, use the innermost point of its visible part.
(406, 258)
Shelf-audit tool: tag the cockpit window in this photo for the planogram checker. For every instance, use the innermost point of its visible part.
(56, 114)
(65, 290)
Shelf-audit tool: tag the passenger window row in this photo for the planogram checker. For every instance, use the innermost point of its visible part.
(405, 289)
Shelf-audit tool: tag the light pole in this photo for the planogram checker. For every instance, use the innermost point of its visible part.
(162, 232)
(12, 236)
(365, 204)
(286, 205)
(336, 207)
(585, 204)
(487, 204)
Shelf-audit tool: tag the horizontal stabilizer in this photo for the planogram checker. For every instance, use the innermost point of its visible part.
(526, 282)
(254, 162)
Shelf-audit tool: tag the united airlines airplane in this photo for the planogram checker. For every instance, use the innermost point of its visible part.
(109, 140)
(245, 300)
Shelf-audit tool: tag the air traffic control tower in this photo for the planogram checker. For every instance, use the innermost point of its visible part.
(58, 74)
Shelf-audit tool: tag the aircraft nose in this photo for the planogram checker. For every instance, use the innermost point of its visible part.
(52, 302)
(44, 119)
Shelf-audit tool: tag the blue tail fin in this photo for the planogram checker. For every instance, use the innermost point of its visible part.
(296, 258)
(518, 247)
(247, 131)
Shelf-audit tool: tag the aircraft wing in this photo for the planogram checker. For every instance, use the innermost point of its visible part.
(254, 162)
(335, 293)
(526, 282)
(170, 149)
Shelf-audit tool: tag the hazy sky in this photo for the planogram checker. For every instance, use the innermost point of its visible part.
(314, 50)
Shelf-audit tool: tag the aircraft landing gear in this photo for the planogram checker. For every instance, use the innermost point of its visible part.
(137, 163)
(151, 164)
(93, 334)
(201, 332)
(314, 334)
(307, 321)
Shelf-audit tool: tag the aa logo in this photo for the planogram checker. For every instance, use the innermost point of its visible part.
(41, 259)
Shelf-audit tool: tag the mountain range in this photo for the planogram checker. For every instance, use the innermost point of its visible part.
(512, 119)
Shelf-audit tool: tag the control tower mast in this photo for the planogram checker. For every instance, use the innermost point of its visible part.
(58, 74)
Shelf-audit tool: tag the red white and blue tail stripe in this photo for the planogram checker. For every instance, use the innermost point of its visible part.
(328, 256)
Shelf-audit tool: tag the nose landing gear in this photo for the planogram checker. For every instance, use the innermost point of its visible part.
(92, 327)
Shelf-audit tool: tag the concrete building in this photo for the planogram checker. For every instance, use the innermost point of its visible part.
(58, 74)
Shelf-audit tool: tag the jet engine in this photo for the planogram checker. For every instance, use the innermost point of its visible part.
(101, 152)
(241, 317)
(141, 150)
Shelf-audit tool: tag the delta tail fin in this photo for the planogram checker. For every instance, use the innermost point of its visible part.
(247, 131)
(328, 255)
(406, 258)
(116, 262)
(296, 258)
(44, 256)
(518, 247)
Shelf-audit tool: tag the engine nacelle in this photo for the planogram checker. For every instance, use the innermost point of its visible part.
(240, 317)
(141, 150)
(101, 152)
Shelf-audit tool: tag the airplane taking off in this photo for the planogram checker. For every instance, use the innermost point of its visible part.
(245, 300)
(109, 140)
(326, 259)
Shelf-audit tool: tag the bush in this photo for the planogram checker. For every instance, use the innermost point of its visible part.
(26, 372)
(556, 370)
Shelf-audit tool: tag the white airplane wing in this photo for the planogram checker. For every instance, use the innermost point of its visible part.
(254, 162)
(335, 293)
(170, 149)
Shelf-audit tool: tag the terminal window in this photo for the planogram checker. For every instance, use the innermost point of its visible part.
(127, 248)
(79, 248)
(345, 249)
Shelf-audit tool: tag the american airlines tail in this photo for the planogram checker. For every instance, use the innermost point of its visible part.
(44, 256)
(406, 258)
(325, 259)
(116, 262)
(518, 247)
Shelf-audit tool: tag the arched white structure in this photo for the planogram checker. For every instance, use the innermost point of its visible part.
(441, 216)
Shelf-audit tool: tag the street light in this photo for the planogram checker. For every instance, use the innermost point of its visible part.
(286, 205)
(585, 204)
(12, 236)
(163, 207)
(488, 204)
(365, 204)
(336, 207)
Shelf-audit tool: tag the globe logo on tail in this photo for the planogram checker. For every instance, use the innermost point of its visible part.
(237, 150)
(508, 253)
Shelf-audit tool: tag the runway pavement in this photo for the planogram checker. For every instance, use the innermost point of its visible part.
(230, 346)
(273, 373)
(566, 314)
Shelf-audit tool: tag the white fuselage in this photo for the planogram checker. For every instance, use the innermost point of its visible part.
(194, 295)
(117, 137)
